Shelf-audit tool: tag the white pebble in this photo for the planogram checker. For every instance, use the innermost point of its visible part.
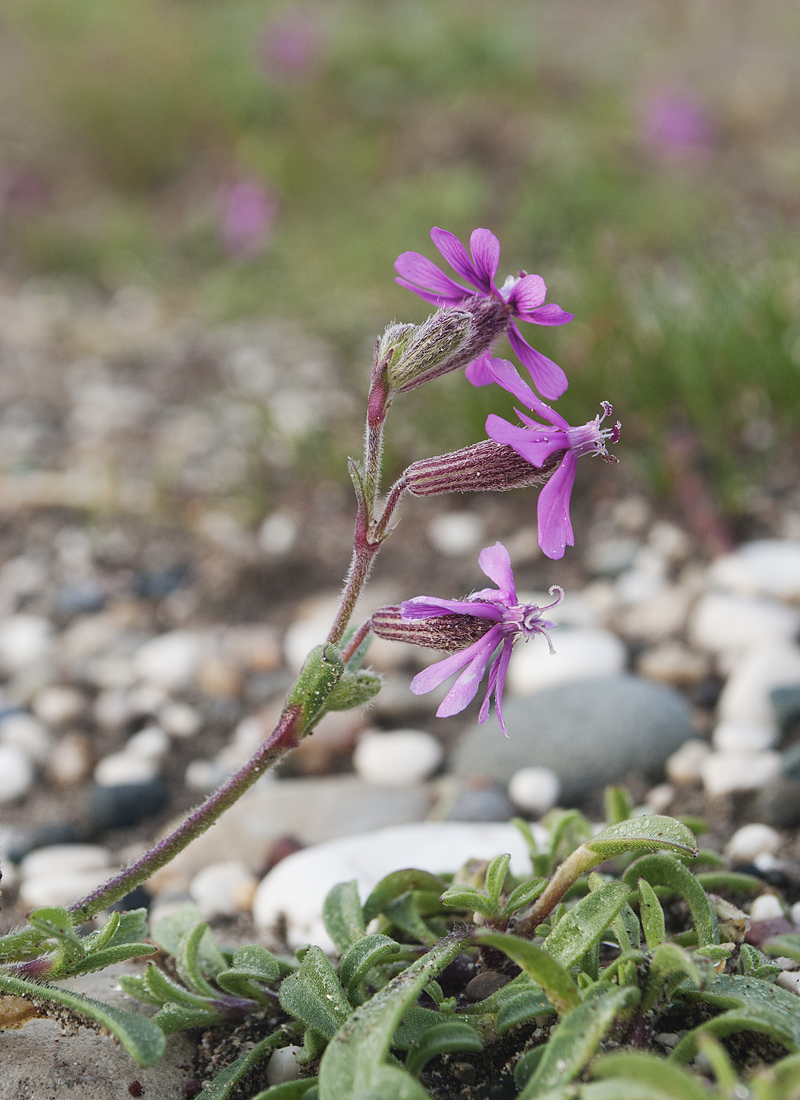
(58, 888)
(308, 630)
(63, 859)
(59, 704)
(745, 697)
(70, 759)
(283, 1065)
(750, 841)
(111, 708)
(580, 654)
(534, 790)
(277, 534)
(659, 798)
(121, 768)
(727, 772)
(766, 861)
(670, 541)
(766, 907)
(205, 775)
(744, 737)
(24, 640)
(767, 567)
(685, 767)
(794, 913)
(456, 534)
(28, 734)
(170, 660)
(789, 980)
(146, 699)
(722, 624)
(397, 759)
(150, 743)
(179, 720)
(16, 773)
(223, 889)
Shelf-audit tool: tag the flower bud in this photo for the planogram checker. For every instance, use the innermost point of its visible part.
(355, 689)
(481, 467)
(318, 678)
(431, 350)
(446, 632)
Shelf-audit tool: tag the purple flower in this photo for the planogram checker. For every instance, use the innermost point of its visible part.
(290, 47)
(536, 442)
(676, 126)
(521, 297)
(506, 620)
(248, 211)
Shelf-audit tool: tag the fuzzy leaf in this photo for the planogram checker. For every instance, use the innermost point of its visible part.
(445, 1038)
(648, 833)
(495, 877)
(228, 1079)
(158, 984)
(584, 924)
(318, 677)
(354, 689)
(541, 967)
(188, 961)
(288, 1090)
(398, 883)
(341, 912)
(99, 960)
(652, 1071)
(733, 882)
(143, 1039)
(467, 897)
(169, 931)
(664, 870)
(669, 961)
(365, 953)
(415, 1022)
(355, 1058)
(788, 945)
(314, 994)
(403, 913)
(575, 1039)
(522, 1009)
(180, 1017)
(252, 968)
(752, 1005)
(651, 914)
(617, 804)
(523, 895)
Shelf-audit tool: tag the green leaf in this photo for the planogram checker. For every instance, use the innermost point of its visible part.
(136, 987)
(180, 1017)
(341, 912)
(733, 882)
(141, 1038)
(403, 913)
(99, 960)
(288, 1090)
(415, 1022)
(446, 1038)
(467, 897)
(752, 1005)
(651, 914)
(169, 931)
(314, 995)
(495, 877)
(188, 961)
(318, 677)
(355, 689)
(650, 1070)
(523, 895)
(522, 1009)
(617, 803)
(251, 969)
(227, 1080)
(158, 984)
(355, 1057)
(787, 945)
(668, 962)
(578, 1035)
(541, 967)
(365, 953)
(398, 883)
(664, 870)
(648, 833)
(585, 923)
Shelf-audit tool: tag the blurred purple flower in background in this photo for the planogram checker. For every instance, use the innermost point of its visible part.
(522, 296)
(536, 442)
(290, 47)
(248, 210)
(22, 190)
(506, 621)
(675, 125)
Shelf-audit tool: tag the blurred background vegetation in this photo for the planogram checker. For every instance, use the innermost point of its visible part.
(248, 159)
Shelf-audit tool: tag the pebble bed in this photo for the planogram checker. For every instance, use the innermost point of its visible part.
(152, 616)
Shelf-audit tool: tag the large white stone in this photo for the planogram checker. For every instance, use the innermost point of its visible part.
(24, 640)
(685, 766)
(728, 772)
(63, 858)
(534, 790)
(580, 653)
(223, 889)
(296, 888)
(16, 773)
(28, 734)
(722, 623)
(751, 841)
(170, 660)
(767, 567)
(121, 768)
(744, 737)
(745, 697)
(397, 759)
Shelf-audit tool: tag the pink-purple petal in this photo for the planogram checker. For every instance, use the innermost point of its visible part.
(505, 374)
(528, 294)
(500, 671)
(466, 686)
(547, 376)
(456, 255)
(528, 445)
(478, 373)
(485, 249)
(495, 561)
(418, 269)
(549, 314)
(428, 607)
(555, 527)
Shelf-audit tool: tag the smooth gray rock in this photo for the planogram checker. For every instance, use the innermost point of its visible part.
(589, 732)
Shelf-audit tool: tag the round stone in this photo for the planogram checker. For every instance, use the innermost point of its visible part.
(179, 720)
(746, 695)
(767, 567)
(70, 759)
(170, 660)
(16, 773)
(223, 889)
(589, 732)
(57, 859)
(122, 768)
(59, 704)
(277, 535)
(397, 759)
(24, 640)
(60, 888)
(728, 772)
(685, 767)
(28, 734)
(751, 841)
(580, 653)
(743, 737)
(111, 708)
(150, 743)
(455, 534)
(766, 907)
(283, 1065)
(534, 790)
(126, 804)
(723, 624)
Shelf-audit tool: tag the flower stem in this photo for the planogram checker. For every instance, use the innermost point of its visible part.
(283, 738)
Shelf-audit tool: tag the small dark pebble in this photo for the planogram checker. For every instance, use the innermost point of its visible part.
(454, 977)
(158, 583)
(18, 844)
(483, 985)
(78, 599)
(487, 803)
(762, 930)
(786, 706)
(136, 899)
(778, 804)
(281, 848)
(135, 1088)
(126, 804)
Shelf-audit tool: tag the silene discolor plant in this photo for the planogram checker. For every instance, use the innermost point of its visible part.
(476, 983)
